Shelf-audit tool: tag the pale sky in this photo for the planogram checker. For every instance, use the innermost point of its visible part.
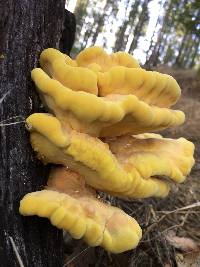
(154, 11)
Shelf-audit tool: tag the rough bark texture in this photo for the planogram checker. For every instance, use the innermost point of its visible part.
(26, 28)
(68, 33)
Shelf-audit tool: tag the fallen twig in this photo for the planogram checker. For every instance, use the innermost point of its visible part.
(75, 257)
(153, 225)
(16, 252)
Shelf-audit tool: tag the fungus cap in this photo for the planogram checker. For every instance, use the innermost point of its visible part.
(112, 115)
(72, 207)
(125, 166)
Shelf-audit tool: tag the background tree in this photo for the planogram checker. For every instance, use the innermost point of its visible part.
(124, 25)
(139, 29)
(122, 34)
(80, 13)
(179, 36)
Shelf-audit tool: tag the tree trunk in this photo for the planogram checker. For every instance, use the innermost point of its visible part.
(120, 44)
(99, 28)
(100, 22)
(177, 62)
(80, 13)
(195, 53)
(153, 59)
(152, 37)
(87, 36)
(187, 52)
(121, 36)
(138, 28)
(68, 33)
(26, 28)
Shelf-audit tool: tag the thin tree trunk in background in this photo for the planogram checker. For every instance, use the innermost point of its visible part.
(87, 35)
(26, 28)
(120, 44)
(100, 24)
(153, 35)
(177, 62)
(138, 28)
(154, 57)
(152, 41)
(101, 20)
(121, 37)
(80, 13)
(185, 48)
(194, 54)
(168, 55)
(187, 53)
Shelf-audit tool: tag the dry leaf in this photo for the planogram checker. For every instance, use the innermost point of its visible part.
(182, 243)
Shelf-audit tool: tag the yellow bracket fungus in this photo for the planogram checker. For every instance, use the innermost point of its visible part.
(71, 206)
(96, 58)
(103, 96)
(65, 70)
(103, 116)
(149, 86)
(122, 77)
(125, 167)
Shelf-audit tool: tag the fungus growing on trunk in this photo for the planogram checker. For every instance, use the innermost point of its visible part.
(71, 205)
(95, 96)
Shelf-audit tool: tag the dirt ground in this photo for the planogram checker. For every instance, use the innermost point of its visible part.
(162, 243)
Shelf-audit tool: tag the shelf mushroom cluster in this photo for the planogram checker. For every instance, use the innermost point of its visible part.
(102, 108)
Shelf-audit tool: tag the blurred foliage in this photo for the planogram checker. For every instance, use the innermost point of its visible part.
(125, 25)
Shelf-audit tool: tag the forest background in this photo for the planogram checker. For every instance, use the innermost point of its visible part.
(154, 31)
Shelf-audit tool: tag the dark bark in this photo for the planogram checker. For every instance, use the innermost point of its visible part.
(26, 28)
(68, 33)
